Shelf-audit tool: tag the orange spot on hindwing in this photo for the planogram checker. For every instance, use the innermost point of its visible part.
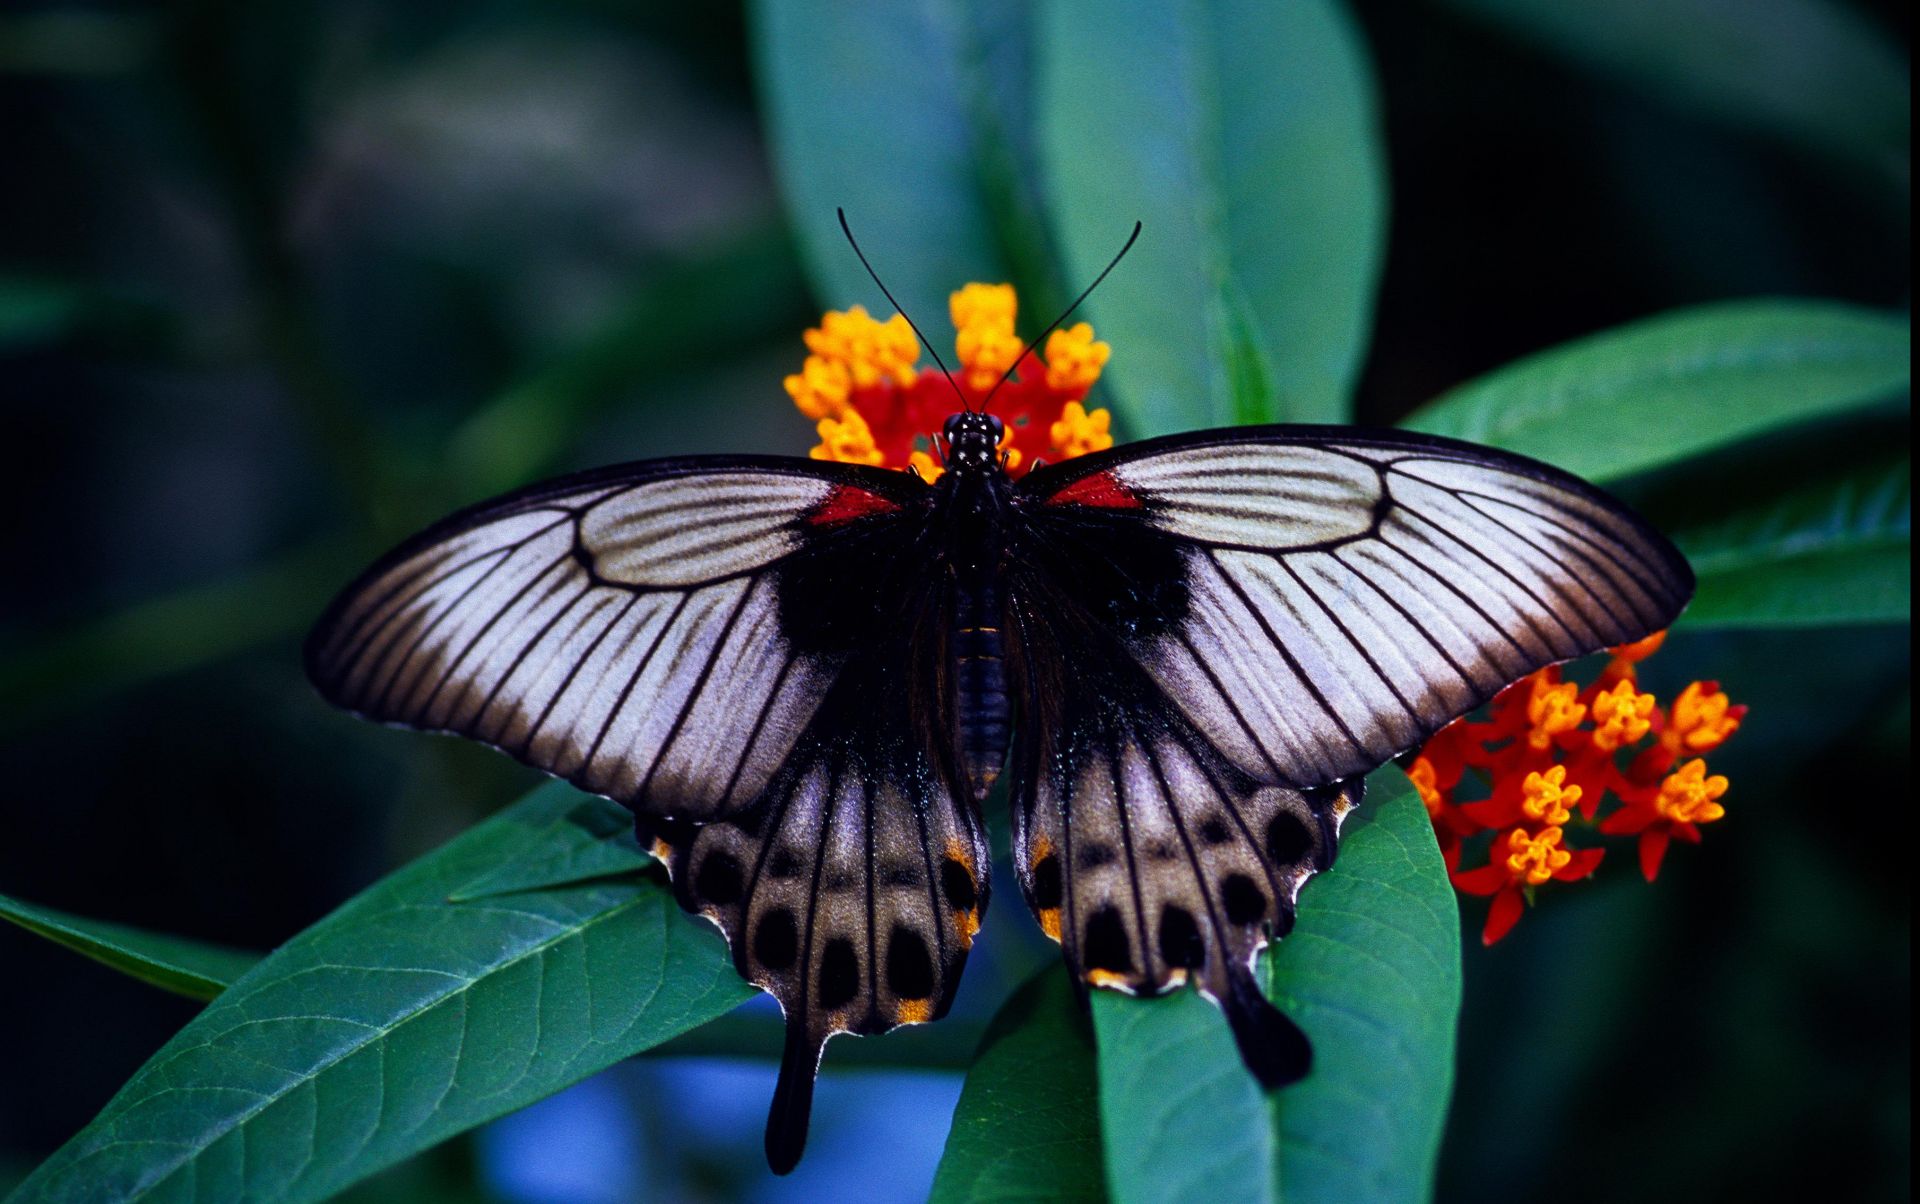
(916, 1011)
(962, 889)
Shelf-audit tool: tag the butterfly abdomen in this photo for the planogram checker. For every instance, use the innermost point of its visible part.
(980, 679)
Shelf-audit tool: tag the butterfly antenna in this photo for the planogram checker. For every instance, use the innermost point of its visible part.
(848, 231)
(1055, 324)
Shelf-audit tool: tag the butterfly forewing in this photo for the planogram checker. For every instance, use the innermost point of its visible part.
(623, 630)
(1344, 594)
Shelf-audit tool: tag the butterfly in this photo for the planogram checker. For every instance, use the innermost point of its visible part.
(804, 677)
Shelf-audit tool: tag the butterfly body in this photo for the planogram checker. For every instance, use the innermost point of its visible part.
(972, 505)
(1185, 654)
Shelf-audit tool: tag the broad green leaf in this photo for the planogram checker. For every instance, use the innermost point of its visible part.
(1026, 1126)
(196, 969)
(1245, 137)
(1372, 973)
(1830, 551)
(576, 845)
(888, 113)
(400, 1020)
(1814, 72)
(1669, 387)
(1180, 1117)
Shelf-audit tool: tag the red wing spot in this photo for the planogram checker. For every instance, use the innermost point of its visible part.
(846, 503)
(1101, 489)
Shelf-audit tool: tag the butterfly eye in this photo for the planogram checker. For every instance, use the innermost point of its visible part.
(951, 430)
(999, 428)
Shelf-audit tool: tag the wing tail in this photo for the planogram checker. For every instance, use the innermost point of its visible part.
(792, 1106)
(1272, 1045)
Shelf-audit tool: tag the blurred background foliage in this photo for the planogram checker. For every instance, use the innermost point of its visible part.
(279, 283)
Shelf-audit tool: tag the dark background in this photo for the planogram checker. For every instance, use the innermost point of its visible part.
(265, 270)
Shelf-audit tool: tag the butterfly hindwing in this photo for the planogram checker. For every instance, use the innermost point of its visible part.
(1141, 847)
(852, 889)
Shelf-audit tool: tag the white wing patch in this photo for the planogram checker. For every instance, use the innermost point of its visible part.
(690, 529)
(1259, 496)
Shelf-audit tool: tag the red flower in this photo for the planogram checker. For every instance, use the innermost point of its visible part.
(1683, 801)
(1523, 861)
(1549, 754)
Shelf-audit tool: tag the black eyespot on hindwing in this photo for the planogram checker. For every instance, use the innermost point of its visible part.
(909, 965)
(1046, 883)
(1180, 944)
(1288, 840)
(784, 864)
(1106, 943)
(718, 880)
(956, 882)
(776, 940)
(839, 974)
(1246, 903)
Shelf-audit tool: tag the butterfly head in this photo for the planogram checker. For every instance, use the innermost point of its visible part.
(973, 442)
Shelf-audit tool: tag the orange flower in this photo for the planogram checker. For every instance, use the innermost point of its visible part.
(1684, 799)
(1530, 860)
(1702, 719)
(1550, 756)
(861, 377)
(1623, 659)
(1546, 797)
(1621, 716)
(1552, 708)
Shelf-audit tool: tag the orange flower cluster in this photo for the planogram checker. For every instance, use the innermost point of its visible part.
(1553, 756)
(872, 405)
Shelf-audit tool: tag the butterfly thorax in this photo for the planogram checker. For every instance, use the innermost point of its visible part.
(975, 500)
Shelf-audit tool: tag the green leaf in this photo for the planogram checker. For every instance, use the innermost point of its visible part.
(400, 1020)
(888, 113)
(1669, 387)
(1180, 1117)
(1372, 973)
(1836, 550)
(196, 969)
(1026, 1126)
(1808, 71)
(578, 844)
(1245, 136)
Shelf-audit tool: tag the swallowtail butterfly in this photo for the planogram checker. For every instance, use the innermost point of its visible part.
(803, 678)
